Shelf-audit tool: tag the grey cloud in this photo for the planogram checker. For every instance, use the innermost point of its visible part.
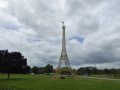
(41, 20)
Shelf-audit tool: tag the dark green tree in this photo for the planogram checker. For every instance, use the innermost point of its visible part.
(35, 70)
(48, 69)
(94, 70)
(41, 70)
(81, 70)
(12, 62)
(88, 70)
(2, 55)
(106, 71)
(27, 69)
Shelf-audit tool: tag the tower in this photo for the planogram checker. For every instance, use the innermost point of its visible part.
(64, 58)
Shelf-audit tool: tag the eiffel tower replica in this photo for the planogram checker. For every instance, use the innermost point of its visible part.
(64, 58)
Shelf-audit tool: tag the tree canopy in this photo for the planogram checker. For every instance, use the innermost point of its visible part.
(43, 70)
(12, 62)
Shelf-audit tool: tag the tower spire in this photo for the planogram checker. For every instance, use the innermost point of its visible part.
(64, 56)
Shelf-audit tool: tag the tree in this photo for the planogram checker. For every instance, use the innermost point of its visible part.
(41, 70)
(35, 70)
(81, 70)
(106, 71)
(27, 69)
(88, 70)
(48, 68)
(12, 62)
(94, 70)
(2, 55)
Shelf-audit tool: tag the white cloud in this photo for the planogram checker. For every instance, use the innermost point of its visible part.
(33, 27)
(3, 3)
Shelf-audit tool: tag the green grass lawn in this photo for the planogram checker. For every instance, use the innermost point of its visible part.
(106, 76)
(37, 82)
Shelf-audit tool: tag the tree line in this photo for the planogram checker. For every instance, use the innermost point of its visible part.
(42, 70)
(94, 70)
(81, 71)
(16, 63)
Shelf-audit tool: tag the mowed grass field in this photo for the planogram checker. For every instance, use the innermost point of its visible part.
(106, 76)
(43, 82)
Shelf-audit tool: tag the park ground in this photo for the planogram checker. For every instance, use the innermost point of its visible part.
(43, 82)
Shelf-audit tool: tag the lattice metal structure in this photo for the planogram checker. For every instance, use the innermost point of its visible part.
(63, 58)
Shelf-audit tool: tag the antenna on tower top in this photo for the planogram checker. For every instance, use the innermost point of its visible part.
(63, 23)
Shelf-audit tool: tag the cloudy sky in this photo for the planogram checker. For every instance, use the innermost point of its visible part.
(34, 28)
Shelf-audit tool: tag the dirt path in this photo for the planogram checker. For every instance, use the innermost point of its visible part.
(100, 78)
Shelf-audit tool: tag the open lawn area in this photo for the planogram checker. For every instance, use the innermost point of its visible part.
(43, 82)
(106, 76)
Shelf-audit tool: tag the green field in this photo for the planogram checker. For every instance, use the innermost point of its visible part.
(106, 76)
(43, 82)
